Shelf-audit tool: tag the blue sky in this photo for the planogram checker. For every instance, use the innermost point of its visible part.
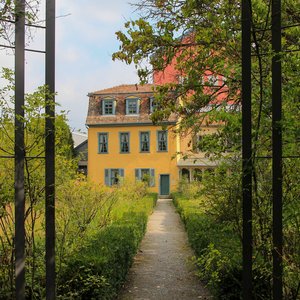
(85, 41)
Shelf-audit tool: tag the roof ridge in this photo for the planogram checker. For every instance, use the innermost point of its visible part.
(126, 88)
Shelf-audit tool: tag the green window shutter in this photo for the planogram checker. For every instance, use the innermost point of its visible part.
(152, 177)
(120, 142)
(167, 146)
(137, 174)
(107, 175)
(126, 102)
(121, 172)
(138, 106)
(102, 107)
(140, 141)
(151, 105)
(114, 107)
(128, 136)
(98, 135)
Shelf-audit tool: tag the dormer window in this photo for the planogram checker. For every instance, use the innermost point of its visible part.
(109, 106)
(213, 80)
(152, 105)
(132, 106)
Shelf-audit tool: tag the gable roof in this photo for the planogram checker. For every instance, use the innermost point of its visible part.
(79, 138)
(126, 89)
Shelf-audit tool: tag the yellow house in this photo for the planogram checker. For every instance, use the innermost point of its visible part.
(124, 143)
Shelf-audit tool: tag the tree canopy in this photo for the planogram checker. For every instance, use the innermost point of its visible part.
(8, 13)
(203, 38)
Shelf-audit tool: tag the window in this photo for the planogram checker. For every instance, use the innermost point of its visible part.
(113, 176)
(181, 79)
(124, 142)
(162, 140)
(153, 105)
(145, 141)
(108, 106)
(197, 143)
(212, 80)
(146, 175)
(102, 142)
(197, 175)
(132, 106)
(185, 174)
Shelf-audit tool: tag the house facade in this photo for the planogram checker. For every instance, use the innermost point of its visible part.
(80, 141)
(124, 144)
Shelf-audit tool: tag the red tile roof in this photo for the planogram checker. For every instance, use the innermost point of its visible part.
(126, 88)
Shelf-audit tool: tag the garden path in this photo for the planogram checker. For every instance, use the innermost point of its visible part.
(161, 270)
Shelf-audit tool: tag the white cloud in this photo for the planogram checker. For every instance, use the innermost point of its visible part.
(85, 40)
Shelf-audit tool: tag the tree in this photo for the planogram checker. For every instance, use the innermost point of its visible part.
(204, 38)
(34, 128)
(8, 12)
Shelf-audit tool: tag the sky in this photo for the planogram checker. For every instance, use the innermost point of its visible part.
(85, 41)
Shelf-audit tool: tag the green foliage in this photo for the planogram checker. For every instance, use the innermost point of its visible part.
(97, 269)
(9, 11)
(213, 221)
(201, 38)
(190, 189)
(218, 251)
(34, 171)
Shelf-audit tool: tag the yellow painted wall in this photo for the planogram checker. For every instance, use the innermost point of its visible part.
(186, 145)
(162, 162)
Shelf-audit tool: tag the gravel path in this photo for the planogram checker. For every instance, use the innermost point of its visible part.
(161, 269)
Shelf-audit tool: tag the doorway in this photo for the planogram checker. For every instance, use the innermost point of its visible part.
(164, 184)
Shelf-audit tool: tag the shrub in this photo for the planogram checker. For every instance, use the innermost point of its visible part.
(218, 252)
(98, 269)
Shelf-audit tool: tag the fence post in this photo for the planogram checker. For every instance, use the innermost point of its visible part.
(277, 149)
(50, 151)
(246, 150)
(19, 149)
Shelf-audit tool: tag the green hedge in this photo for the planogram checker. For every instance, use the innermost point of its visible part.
(218, 252)
(98, 269)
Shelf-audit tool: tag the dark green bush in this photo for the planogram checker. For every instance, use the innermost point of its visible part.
(218, 253)
(98, 269)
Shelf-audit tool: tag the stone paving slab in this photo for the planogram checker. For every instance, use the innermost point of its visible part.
(161, 270)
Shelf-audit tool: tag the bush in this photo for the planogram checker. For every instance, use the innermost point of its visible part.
(218, 252)
(98, 269)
